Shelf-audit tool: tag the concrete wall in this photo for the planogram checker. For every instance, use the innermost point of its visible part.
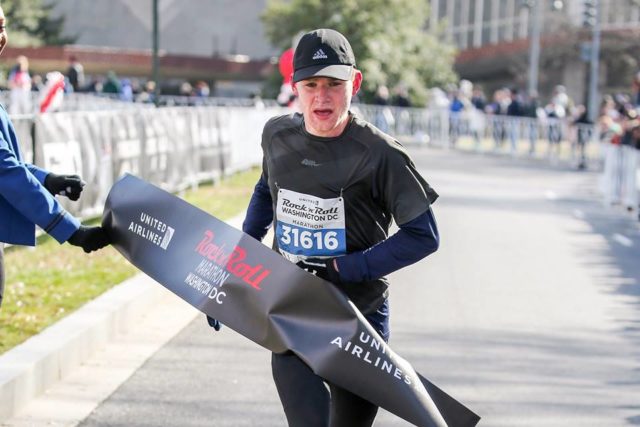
(192, 27)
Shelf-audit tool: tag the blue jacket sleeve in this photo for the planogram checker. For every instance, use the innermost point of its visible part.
(415, 240)
(26, 194)
(39, 173)
(260, 211)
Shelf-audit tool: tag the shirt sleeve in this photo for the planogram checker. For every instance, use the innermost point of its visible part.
(260, 211)
(400, 188)
(25, 193)
(414, 241)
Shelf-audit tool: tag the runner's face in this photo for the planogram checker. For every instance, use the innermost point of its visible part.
(3, 31)
(325, 102)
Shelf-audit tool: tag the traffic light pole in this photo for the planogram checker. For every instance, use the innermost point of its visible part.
(534, 47)
(594, 64)
(156, 62)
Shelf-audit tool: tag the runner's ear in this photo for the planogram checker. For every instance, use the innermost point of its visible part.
(357, 81)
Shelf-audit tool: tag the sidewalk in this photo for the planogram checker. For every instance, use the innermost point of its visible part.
(88, 354)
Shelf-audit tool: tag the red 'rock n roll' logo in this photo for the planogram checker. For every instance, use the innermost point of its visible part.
(232, 261)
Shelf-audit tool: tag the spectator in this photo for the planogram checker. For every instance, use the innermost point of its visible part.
(635, 88)
(67, 85)
(186, 89)
(498, 108)
(610, 133)
(628, 141)
(52, 93)
(75, 74)
(96, 85)
(286, 97)
(382, 96)
(20, 87)
(635, 137)
(202, 89)
(27, 196)
(148, 93)
(383, 119)
(476, 115)
(515, 111)
(257, 100)
(438, 99)
(36, 83)
(112, 85)
(583, 134)
(561, 102)
(401, 99)
(126, 90)
(557, 110)
(478, 99)
(534, 112)
(457, 107)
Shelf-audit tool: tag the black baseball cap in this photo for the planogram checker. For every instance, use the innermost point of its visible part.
(323, 53)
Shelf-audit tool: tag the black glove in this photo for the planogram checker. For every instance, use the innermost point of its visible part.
(65, 185)
(90, 238)
(214, 323)
(321, 267)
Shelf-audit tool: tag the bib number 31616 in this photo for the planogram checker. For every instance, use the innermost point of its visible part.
(308, 226)
(307, 239)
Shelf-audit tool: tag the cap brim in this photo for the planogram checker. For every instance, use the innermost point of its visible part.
(340, 72)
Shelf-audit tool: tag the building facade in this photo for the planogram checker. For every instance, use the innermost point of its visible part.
(187, 27)
(493, 38)
(476, 23)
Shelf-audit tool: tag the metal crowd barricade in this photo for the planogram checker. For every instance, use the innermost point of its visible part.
(98, 101)
(547, 138)
(25, 129)
(213, 101)
(473, 129)
(620, 180)
(408, 125)
(80, 101)
(174, 147)
(178, 147)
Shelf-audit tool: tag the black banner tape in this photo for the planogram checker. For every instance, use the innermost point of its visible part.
(251, 289)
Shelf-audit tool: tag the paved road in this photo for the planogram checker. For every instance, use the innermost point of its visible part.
(529, 313)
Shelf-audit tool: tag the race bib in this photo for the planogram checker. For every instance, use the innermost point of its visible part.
(308, 226)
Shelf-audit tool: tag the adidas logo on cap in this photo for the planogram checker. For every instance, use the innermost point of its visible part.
(320, 54)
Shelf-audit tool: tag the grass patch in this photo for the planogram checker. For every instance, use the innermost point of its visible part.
(46, 283)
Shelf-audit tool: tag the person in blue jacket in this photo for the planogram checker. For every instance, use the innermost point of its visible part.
(27, 196)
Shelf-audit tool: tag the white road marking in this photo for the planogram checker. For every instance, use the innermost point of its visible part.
(623, 240)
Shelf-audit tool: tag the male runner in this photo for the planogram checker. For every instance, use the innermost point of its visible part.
(331, 185)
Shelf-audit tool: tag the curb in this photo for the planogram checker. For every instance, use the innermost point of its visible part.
(29, 369)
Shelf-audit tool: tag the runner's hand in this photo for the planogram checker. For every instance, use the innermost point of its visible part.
(214, 323)
(322, 267)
